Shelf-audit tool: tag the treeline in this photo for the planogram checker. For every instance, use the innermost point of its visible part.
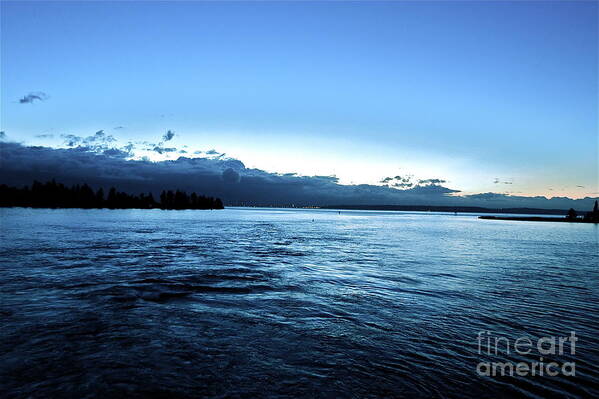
(57, 195)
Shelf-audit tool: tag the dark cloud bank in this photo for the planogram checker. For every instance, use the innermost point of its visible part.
(95, 163)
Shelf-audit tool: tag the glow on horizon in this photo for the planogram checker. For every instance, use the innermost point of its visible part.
(373, 165)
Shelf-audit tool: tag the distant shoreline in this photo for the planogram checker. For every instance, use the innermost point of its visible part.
(537, 219)
(450, 209)
(58, 196)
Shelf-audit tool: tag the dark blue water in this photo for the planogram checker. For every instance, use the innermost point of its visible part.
(288, 303)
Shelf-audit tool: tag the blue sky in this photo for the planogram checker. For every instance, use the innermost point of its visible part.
(474, 93)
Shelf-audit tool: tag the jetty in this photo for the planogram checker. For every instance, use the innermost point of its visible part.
(538, 219)
(571, 217)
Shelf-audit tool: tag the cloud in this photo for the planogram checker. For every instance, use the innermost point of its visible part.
(116, 152)
(100, 143)
(103, 165)
(432, 181)
(44, 136)
(122, 152)
(398, 181)
(405, 182)
(488, 196)
(161, 150)
(168, 136)
(71, 140)
(230, 176)
(499, 181)
(98, 139)
(402, 185)
(31, 97)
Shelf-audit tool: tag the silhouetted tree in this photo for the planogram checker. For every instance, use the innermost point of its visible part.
(150, 201)
(99, 197)
(111, 200)
(571, 214)
(593, 216)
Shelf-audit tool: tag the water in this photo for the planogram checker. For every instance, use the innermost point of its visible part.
(282, 303)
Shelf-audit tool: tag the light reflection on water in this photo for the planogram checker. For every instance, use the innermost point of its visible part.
(267, 302)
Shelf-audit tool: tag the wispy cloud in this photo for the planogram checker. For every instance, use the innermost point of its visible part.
(407, 182)
(161, 150)
(497, 180)
(70, 140)
(31, 97)
(432, 181)
(168, 136)
(100, 143)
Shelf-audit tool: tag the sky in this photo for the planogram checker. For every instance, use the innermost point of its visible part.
(476, 97)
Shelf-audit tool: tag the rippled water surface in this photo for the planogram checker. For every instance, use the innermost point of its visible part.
(276, 303)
